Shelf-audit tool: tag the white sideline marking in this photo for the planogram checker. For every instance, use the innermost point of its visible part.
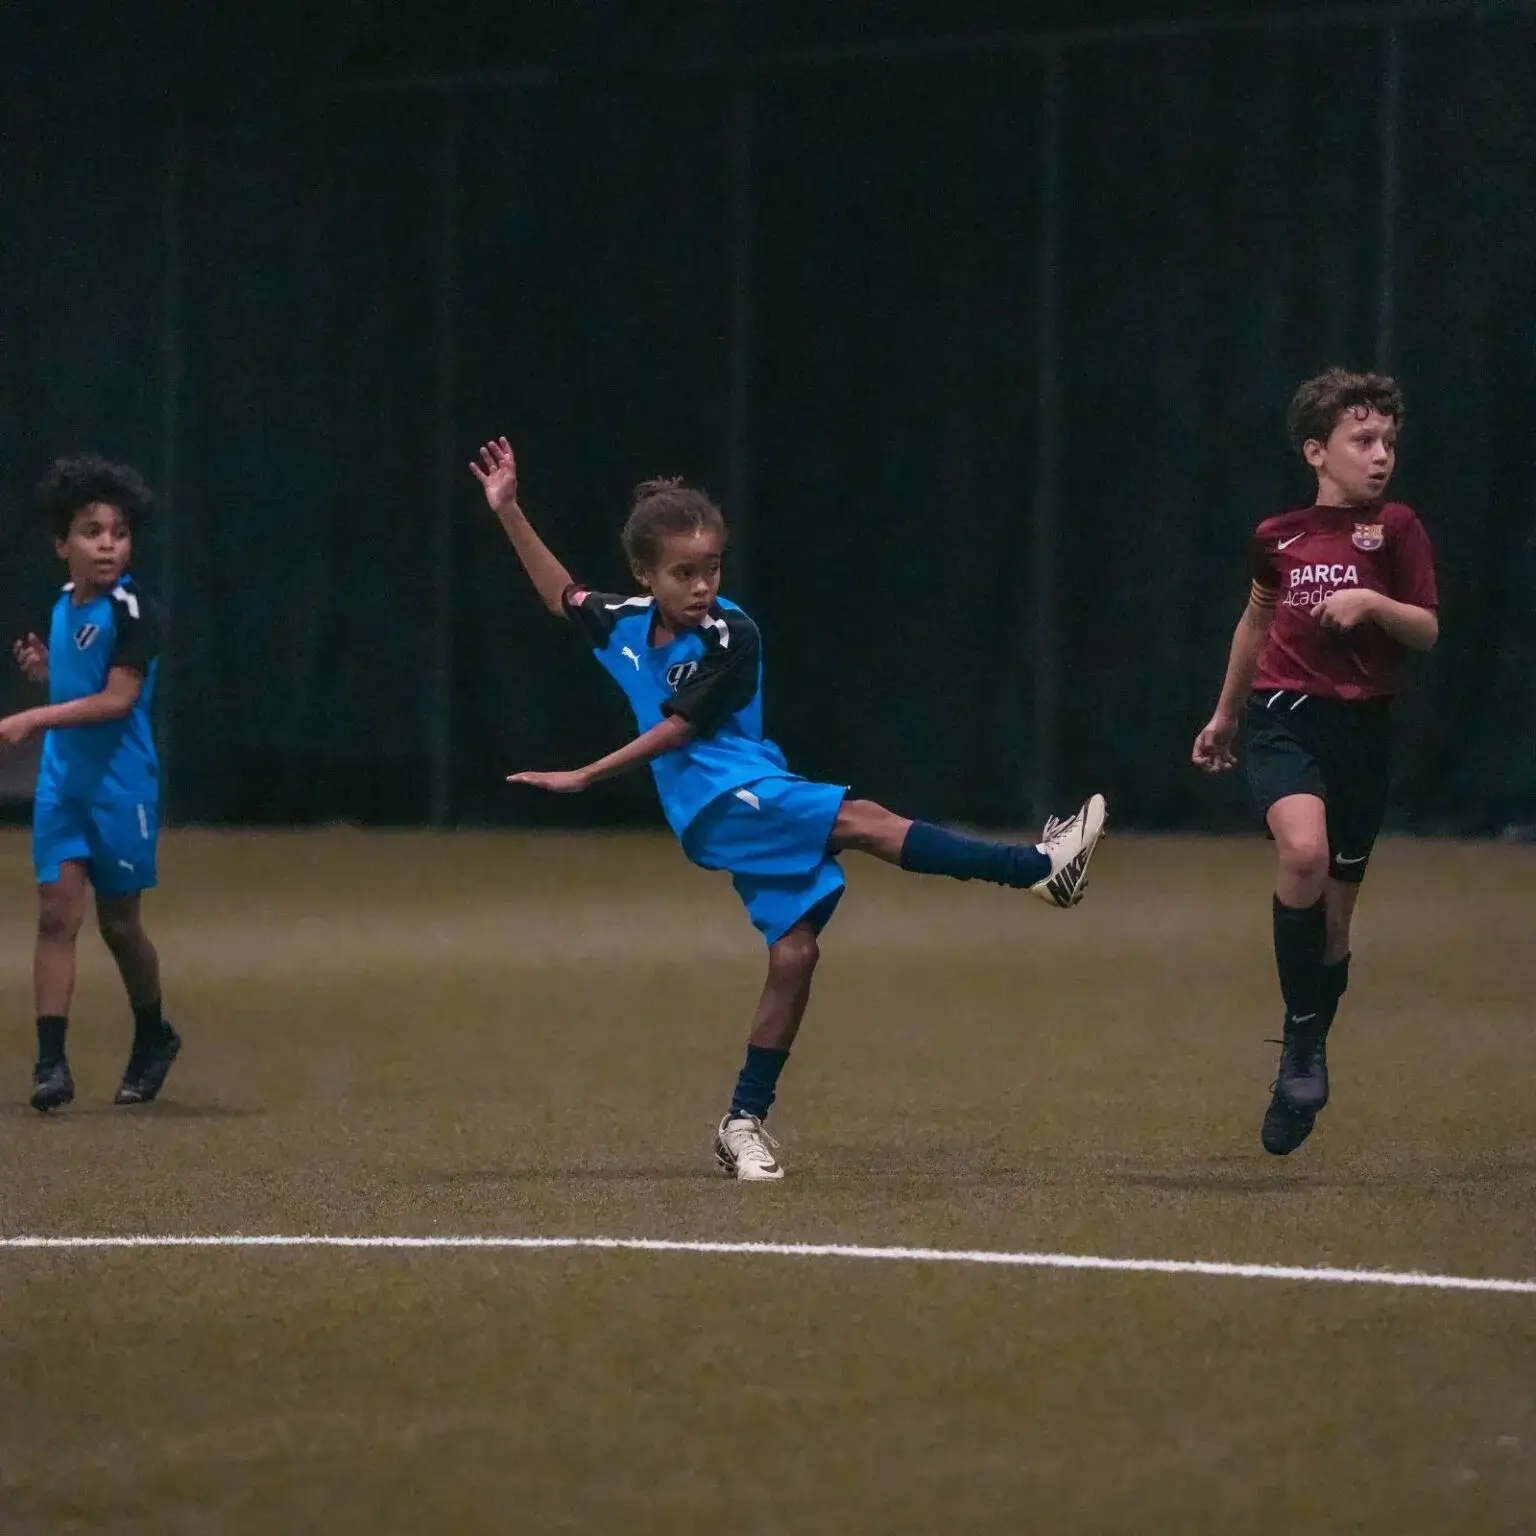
(1402, 1278)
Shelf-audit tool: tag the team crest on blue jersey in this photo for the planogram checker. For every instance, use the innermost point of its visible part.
(1368, 536)
(680, 673)
(85, 635)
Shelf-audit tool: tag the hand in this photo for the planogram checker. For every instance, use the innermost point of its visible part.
(1348, 609)
(14, 729)
(571, 782)
(1213, 746)
(497, 474)
(32, 657)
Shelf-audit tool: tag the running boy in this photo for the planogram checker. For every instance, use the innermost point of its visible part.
(96, 814)
(691, 665)
(1342, 591)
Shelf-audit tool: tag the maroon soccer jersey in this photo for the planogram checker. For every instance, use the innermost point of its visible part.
(1300, 558)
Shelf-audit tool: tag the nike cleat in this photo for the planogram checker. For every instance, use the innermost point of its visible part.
(146, 1071)
(1284, 1128)
(1069, 844)
(52, 1086)
(1302, 1079)
(745, 1149)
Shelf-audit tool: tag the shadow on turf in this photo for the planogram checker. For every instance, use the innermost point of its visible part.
(167, 1109)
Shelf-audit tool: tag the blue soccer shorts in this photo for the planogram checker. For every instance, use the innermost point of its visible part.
(116, 838)
(772, 836)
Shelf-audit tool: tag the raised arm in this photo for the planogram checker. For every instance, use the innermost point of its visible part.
(497, 474)
(32, 657)
(1213, 746)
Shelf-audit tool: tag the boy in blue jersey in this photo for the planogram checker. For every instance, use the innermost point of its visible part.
(96, 814)
(690, 663)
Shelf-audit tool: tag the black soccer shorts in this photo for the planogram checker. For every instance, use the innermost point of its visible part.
(1340, 751)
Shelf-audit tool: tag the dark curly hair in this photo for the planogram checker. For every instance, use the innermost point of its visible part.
(1323, 402)
(76, 482)
(667, 506)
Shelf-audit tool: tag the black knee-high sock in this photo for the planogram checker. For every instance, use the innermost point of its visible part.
(1335, 985)
(1300, 941)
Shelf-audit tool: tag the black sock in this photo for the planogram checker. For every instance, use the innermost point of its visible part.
(50, 1037)
(1335, 985)
(148, 1026)
(1300, 940)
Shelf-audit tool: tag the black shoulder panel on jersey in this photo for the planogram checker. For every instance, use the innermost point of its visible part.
(727, 677)
(137, 641)
(597, 613)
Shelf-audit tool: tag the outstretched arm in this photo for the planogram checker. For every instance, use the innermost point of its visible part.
(1213, 746)
(114, 702)
(672, 733)
(497, 474)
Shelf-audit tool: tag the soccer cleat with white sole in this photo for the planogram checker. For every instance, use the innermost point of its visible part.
(1069, 843)
(745, 1149)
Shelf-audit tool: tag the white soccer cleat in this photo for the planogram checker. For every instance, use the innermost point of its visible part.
(744, 1148)
(1069, 845)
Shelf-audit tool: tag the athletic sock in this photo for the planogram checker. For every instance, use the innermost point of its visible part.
(148, 1027)
(1300, 940)
(50, 1038)
(1335, 985)
(931, 850)
(759, 1078)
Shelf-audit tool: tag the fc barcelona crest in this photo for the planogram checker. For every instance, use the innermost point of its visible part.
(1368, 536)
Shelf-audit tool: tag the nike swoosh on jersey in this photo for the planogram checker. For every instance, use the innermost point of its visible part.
(1286, 543)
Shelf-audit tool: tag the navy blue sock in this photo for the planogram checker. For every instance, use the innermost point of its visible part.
(759, 1077)
(930, 850)
(50, 1037)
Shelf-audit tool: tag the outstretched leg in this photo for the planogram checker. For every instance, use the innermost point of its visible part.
(1055, 869)
(60, 912)
(155, 1043)
(742, 1146)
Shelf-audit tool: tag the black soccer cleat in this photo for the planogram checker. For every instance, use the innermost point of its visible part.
(146, 1072)
(1302, 1080)
(1284, 1128)
(52, 1086)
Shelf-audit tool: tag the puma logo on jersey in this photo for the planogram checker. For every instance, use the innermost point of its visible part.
(633, 656)
(85, 635)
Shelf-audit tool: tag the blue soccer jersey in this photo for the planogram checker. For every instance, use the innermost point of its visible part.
(116, 759)
(711, 676)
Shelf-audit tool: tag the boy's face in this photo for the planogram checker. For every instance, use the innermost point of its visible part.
(685, 577)
(1356, 462)
(97, 547)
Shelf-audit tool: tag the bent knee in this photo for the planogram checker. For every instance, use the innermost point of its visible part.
(797, 952)
(117, 929)
(1305, 860)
